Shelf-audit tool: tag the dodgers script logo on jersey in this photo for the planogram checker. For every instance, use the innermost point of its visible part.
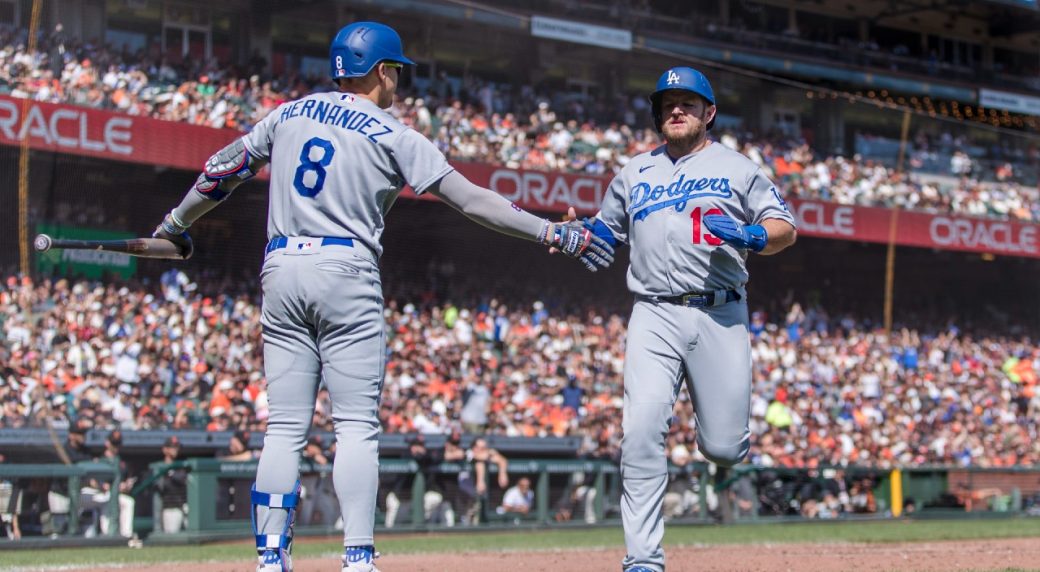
(645, 200)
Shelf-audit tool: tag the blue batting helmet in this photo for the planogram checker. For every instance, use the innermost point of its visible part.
(357, 49)
(683, 78)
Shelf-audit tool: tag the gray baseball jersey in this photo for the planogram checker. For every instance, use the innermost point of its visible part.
(338, 162)
(656, 205)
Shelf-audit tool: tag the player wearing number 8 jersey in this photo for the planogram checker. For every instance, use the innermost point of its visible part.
(338, 162)
(690, 211)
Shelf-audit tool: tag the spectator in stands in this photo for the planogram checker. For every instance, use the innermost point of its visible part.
(476, 400)
(238, 448)
(861, 497)
(473, 479)
(11, 494)
(56, 519)
(742, 495)
(518, 500)
(573, 395)
(318, 504)
(852, 394)
(173, 488)
(579, 494)
(127, 504)
(520, 132)
(681, 497)
(436, 509)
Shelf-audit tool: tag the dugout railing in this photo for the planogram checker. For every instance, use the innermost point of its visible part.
(63, 485)
(217, 495)
(218, 492)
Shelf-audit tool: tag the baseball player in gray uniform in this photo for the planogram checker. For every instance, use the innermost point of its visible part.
(690, 210)
(338, 161)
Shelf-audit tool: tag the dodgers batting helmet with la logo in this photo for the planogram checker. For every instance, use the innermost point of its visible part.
(358, 47)
(684, 78)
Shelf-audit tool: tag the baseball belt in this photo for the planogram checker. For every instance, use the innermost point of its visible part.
(280, 242)
(700, 299)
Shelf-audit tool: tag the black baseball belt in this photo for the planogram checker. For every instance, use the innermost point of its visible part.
(699, 299)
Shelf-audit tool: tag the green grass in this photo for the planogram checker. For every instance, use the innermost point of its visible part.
(870, 532)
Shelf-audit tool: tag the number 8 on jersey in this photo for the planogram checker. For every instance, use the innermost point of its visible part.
(317, 166)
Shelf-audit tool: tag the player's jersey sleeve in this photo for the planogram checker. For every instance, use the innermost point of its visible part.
(764, 200)
(613, 211)
(420, 161)
(260, 140)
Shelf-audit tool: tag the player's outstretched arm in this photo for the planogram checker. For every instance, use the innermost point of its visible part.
(225, 170)
(770, 237)
(490, 209)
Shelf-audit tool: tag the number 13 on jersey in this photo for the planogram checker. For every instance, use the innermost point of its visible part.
(317, 166)
(697, 233)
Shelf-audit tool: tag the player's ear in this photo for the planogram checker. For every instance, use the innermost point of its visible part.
(709, 113)
(384, 71)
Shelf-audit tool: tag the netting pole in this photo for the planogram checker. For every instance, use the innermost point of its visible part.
(890, 262)
(23, 157)
(903, 136)
(890, 268)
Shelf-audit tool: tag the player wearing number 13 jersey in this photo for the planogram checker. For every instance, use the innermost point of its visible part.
(338, 161)
(690, 211)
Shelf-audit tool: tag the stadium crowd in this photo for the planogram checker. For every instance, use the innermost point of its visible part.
(472, 119)
(828, 389)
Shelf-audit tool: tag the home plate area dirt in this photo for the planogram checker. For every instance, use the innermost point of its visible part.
(977, 555)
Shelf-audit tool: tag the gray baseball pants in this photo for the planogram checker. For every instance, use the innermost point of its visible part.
(323, 319)
(667, 344)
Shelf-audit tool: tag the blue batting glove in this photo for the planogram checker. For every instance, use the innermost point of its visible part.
(600, 229)
(750, 237)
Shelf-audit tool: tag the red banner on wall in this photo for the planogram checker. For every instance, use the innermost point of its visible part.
(540, 191)
(90, 132)
(944, 232)
(554, 192)
(94, 133)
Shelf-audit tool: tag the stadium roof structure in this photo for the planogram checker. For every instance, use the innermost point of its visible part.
(989, 18)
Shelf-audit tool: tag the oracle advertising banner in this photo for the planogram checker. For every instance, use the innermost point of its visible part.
(94, 133)
(945, 232)
(90, 132)
(554, 192)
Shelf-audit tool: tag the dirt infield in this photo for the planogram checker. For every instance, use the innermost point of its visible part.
(987, 555)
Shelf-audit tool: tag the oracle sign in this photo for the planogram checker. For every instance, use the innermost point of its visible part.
(92, 132)
(824, 219)
(976, 234)
(68, 128)
(548, 191)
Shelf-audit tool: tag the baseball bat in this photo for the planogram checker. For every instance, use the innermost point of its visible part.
(140, 247)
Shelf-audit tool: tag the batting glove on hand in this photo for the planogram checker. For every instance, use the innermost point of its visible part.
(576, 241)
(175, 233)
(751, 237)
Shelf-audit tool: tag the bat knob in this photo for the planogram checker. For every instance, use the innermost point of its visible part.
(42, 243)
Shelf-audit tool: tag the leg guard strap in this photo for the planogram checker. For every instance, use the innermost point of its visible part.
(276, 500)
(272, 542)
